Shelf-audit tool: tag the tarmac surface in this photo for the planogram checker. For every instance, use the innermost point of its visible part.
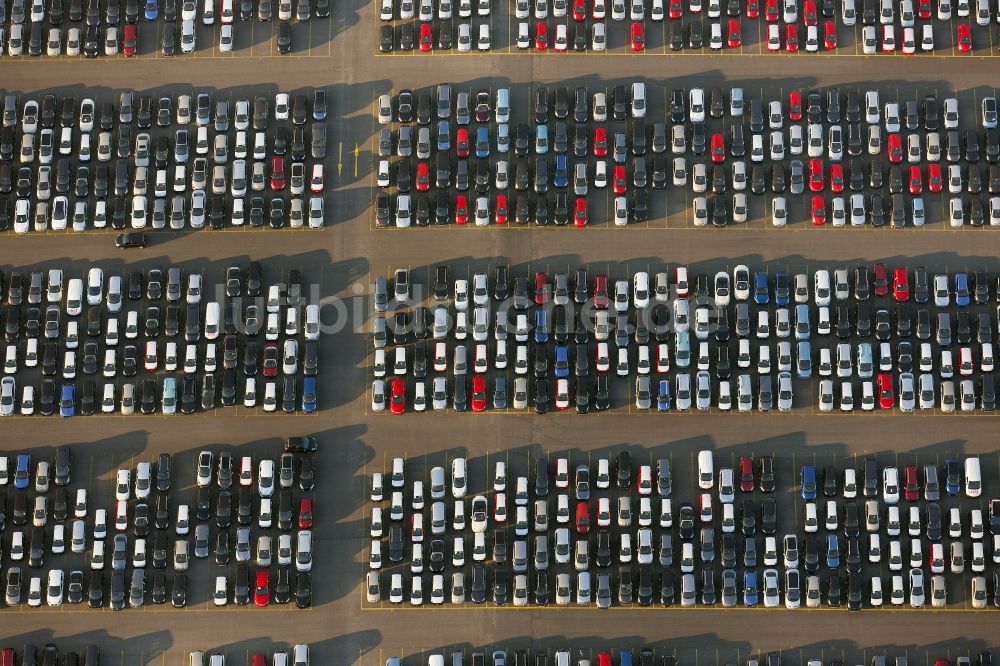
(353, 443)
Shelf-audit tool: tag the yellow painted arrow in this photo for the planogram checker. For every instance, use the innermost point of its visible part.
(357, 152)
(340, 158)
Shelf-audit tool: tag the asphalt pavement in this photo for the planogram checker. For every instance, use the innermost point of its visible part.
(347, 252)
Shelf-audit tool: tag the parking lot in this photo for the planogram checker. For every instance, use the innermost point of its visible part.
(345, 254)
(513, 29)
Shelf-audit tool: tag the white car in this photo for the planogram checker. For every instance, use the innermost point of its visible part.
(54, 590)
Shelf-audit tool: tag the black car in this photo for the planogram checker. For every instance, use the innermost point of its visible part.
(283, 586)
(178, 593)
(95, 590)
(303, 590)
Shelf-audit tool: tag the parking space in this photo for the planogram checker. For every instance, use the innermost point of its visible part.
(205, 30)
(193, 527)
(124, 161)
(161, 340)
(637, 153)
(642, 337)
(535, 527)
(686, 28)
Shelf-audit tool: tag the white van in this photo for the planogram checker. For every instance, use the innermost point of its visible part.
(74, 296)
(973, 477)
(706, 473)
(212, 320)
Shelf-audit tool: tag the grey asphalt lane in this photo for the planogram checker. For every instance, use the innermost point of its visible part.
(348, 252)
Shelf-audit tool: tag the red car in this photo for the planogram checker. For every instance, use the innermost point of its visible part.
(818, 210)
(541, 288)
(881, 281)
(500, 216)
(792, 38)
(795, 106)
(900, 285)
(601, 292)
(426, 37)
(816, 175)
(829, 35)
(130, 40)
(305, 513)
(461, 209)
(462, 142)
(746, 474)
(423, 179)
(911, 487)
(916, 180)
(638, 36)
(579, 10)
(934, 179)
(675, 9)
(270, 363)
(735, 37)
(771, 11)
(582, 518)
(895, 149)
(580, 212)
(619, 181)
(885, 397)
(964, 38)
(924, 9)
(836, 177)
(478, 392)
(541, 36)
(809, 12)
(261, 589)
(277, 173)
(753, 9)
(718, 148)
(600, 142)
(258, 660)
(397, 398)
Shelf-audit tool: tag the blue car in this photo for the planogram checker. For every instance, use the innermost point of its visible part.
(22, 472)
(482, 143)
(808, 483)
(663, 396)
(560, 177)
(562, 362)
(541, 326)
(541, 139)
(952, 476)
(782, 290)
(444, 136)
(625, 658)
(750, 594)
(67, 401)
(152, 10)
(309, 395)
(761, 293)
(832, 551)
(962, 290)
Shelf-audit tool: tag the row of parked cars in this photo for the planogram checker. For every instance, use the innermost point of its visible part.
(630, 657)
(658, 548)
(50, 653)
(153, 540)
(238, 333)
(163, 162)
(297, 656)
(927, 336)
(92, 29)
(810, 153)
